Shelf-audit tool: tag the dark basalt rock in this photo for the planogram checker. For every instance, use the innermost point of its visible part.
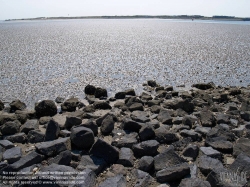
(165, 117)
(35, 136)
(116, 181)
(107, 125)
(72, 121)
(143, 179)
(207, 164)
(1, 105)
(173, 173)
(146, 163)
(242, 146)
(52, 131)
(46, 108)
(146, 148)
(82, 137)
(6, 144)
(94, 163)
(70, 105)
(194, 182)
(126, 157)
(90, 89)
(120, 95)
(86, 178)
(125, 140)
(131, 125)
(163, 135)
(10, 128)
(17, 105)
(209, 151)
(102, 105)
(29, 125)
(136, 106)
(167, 159)
(191, 133)
(91, 124)
(152, 83)
(191, 151)
(104, 150)
(207, 119)
(54, 147)
(203, 86)
(7, 117)
(220, 144)
(17, 138)
(101, 92)
(140, 116)
(12, 155)
(130, 92)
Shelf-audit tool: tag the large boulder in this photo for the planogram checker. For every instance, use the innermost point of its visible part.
(17, 105)
(10, 127)
(82, 137)
(46, 108)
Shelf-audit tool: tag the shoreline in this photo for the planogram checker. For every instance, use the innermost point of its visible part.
(162, 136)
(185, 17)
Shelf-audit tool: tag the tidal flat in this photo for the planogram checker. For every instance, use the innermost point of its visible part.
(45, 59)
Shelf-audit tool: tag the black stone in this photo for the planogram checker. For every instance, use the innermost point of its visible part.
(100, 92)
(52, 131)
(146, 148)
(29, 125)
(46, 108)
(107, 125)
(90, 89)
(146, 163)
(17, 105)
(63, 158)
(35, 136)
(116, 181)
(207, 164)
(10, 128)
(82, 137)
(126, 157)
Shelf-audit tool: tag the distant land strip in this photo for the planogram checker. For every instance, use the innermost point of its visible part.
(192, 17)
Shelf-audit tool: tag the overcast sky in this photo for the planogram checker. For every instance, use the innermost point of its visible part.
(10, 9)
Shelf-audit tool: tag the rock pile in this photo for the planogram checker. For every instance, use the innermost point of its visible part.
(163, 137)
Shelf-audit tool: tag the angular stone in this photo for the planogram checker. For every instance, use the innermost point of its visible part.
(219, 131)
(126, 157)
(146, 148)
(146, 133)
(82, 137)
(143, 179)
(190, 182)
(131, 125)
(7, 117)
(120, 95)
(207, 164)
(191, 151)
(222, 118)
(167, 159)
(60, 119)
(12, 155)
(152, 83)
(10, 127)
(241, 164)
(125, 140)
(136, 106)
(102, 105)
(140, 116)
(116, 181)
(164, 117)
(17, 105)
(63, 158)
(101, 92)
(202, 130)
(173, 173)
(189, 120)
(94, 163)
(146, 163)
(70, 105)
(44, 120)
(209, 151)
(54, 147)
(220, 144)
(35, 136)
(242, 146)
(52, 131)
(26, 161)
(72, 121)
(107, 125)
(191, 133)
(6, 144)
(155, 109)
(29, 125)
(17, 138)
(163, 135)
(104, 150)
(207, 119)
(245, 115)
(64, 133)
(130, 92)
(46, 108)
(85, 178)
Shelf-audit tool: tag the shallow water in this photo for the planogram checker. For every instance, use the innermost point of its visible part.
(46, 59)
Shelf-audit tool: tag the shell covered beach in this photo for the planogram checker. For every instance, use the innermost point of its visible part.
(45, 59)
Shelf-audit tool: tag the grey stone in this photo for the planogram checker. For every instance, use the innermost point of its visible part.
(70, 105)
(242, 146)
(167, 159)
(91, 124)
(146, 148)
(85, 178)
(164, 117)
(146, 163)
(100, 92)
(104, 150)
(202, 130)
(126, 157)
(131, 125)
(17, 105)
(102, 105)
(44, 120)
(72, 121)
(188, 182)
(46, 108)
(107, 125)
(220, 144)
(63, 158)
(207, 119)
(6, 144)
(143, 179)
(60, 119)
(29, 125)
(54, 147)
(64, 133)
(125, 140)
(136, 106)
(209, 151)
(173, 173)
(207, 164)
(10, 127)
(94, 163)
(26, 161)
(82, 137)
(189, 120)
(35, 136)
(7, 117)
(191, 151)
(52, 131)
(12, 155)
(140, 116)
(146, 133)
(164, 135)
(116, 181)
(191, 133)
(17, 138)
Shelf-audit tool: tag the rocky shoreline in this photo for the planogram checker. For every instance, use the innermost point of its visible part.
(163, 137)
